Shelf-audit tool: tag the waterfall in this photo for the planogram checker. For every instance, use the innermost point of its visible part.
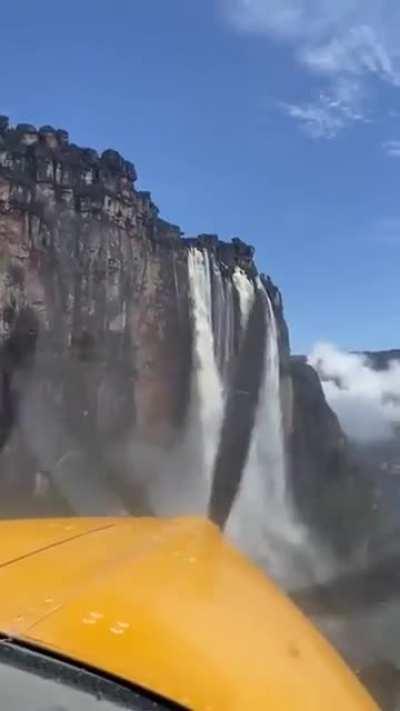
(218, 312)
(182, 483)
(223, 320)
(262, 521)
(183, 480)
(245, 289)
(274, 450)
(207, 397)
(229, 340)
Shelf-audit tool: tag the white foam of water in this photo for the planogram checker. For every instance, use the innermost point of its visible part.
(229, 328)
(245, 289)
(207, 386)
(262, 522)
(220, 303)
(224, 320)
(179, 480)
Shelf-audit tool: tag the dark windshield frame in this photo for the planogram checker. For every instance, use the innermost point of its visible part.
(81, 677)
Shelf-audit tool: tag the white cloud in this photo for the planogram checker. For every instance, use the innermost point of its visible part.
(331, 112)
(366, 401)
(347, 43)
(392, 148)
(318, 120)
(354, 52)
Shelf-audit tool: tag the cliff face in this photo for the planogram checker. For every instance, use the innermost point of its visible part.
(329, 484)
(95, 300)
(98, 334)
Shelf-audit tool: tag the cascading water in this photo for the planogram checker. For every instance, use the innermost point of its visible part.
(276, 449)
(261, 521)
(223, 320)
(190, 464)
(229, 340)
(207, 397)
(183, 481)
(245, 289)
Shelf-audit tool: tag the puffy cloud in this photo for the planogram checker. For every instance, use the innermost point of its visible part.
(367, 401)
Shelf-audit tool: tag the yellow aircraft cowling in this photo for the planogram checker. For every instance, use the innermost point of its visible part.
(171, 606)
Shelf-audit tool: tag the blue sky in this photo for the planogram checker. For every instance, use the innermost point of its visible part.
(274, 120)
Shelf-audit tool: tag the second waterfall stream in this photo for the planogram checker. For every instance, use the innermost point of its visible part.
(262, 522)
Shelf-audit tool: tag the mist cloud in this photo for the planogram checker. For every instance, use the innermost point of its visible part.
(366, 401)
